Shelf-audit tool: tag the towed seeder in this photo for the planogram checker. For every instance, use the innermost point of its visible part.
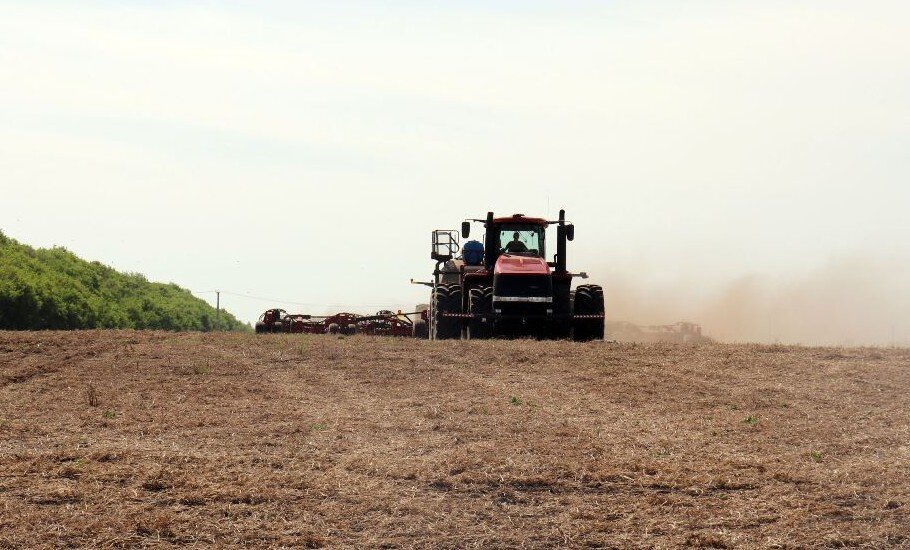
(383, 323)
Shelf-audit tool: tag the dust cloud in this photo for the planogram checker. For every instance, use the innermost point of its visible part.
(848, 301)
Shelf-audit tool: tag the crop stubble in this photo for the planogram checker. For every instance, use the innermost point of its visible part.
(122, 438)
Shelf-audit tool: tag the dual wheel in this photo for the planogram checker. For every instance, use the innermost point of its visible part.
(480, 304)
(446, 299)
(588, 300)
(265, 327)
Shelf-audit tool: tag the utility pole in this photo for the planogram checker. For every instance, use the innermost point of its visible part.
(217, 310)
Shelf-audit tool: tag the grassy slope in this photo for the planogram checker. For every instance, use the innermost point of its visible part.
(296, 441)
(55, 289)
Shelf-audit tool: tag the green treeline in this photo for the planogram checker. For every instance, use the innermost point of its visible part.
(55, 289)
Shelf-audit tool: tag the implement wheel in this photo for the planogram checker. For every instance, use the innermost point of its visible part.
(421, 329)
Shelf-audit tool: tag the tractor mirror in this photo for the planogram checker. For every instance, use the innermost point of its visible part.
(465, 230)
(570, 232)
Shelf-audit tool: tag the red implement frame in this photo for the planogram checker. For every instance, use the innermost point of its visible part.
(383, 323)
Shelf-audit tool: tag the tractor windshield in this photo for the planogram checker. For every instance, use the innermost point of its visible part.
(521, 240)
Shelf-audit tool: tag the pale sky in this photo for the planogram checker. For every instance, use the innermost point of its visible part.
(304, 150)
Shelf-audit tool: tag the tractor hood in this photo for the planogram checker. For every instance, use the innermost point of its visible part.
(508, 264)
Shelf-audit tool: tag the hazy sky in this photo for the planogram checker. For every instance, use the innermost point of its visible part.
(304, 150)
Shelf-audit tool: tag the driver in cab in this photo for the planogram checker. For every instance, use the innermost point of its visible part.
(515, 245)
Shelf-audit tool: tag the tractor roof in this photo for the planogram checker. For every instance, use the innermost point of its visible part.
(520, 218)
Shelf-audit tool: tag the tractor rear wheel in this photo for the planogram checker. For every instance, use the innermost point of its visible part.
(589, 300)
(561, 326)
(480, 302)
(598, 325)
(260, 327)
(581, 304)
(446, 299)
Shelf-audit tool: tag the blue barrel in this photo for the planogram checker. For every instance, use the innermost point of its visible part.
(472, 252)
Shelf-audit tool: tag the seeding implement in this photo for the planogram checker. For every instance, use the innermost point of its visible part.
(505, 287)
(384, 323)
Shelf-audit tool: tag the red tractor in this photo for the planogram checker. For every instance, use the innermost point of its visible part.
(505, 287)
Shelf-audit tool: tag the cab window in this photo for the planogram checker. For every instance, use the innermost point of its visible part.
(521, 240)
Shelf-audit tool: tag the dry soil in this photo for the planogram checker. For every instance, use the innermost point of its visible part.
(120, 438)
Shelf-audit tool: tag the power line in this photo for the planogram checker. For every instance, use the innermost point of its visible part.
(289, 302)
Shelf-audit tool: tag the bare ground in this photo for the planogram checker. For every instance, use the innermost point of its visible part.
(126, 438)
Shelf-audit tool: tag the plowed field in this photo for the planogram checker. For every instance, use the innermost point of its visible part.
(120, 438)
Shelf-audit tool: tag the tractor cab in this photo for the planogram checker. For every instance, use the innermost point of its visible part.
(519, 239)
(522, 236)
